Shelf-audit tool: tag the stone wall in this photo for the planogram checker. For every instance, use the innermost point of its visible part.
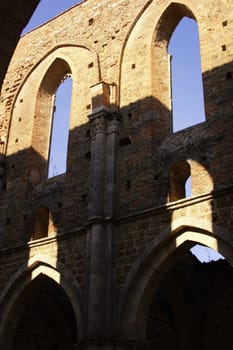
(110, 229)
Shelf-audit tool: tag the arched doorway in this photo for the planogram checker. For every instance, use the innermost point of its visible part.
(173, 300)
(40, 308)
(192, 306)
(44, 318)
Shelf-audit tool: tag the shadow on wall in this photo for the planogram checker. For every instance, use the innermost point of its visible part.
(54, 212)
(42, 202)
(146, 165)
(37, 212)
(218, 84)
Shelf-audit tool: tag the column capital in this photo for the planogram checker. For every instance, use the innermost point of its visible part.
(102, 119)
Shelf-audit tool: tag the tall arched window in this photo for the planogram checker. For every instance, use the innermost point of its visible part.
(186, 77)
(51, 128)
(60, 129)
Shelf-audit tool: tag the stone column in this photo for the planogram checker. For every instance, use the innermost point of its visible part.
(110, 212)
(105, 124)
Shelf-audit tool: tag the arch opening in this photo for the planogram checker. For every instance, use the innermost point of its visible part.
(60, 128)
(192, 306)
(187, 94)
(45, 121)
(43, 318)
(189, 291)
(177, 24)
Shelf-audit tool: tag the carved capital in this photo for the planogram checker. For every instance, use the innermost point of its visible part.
(99, 122)
(113, 125)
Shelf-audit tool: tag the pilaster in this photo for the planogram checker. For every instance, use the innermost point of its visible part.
(104, 130)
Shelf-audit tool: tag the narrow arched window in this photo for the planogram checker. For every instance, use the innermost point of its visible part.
(41, 223)
(60, 129)
(180, 181)
(51, 121)
(186, 77)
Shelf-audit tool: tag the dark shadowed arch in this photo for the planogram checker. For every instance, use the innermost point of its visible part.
(156, 260)
(57, 292)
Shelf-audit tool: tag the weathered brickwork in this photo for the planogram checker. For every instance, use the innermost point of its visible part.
(100, 256)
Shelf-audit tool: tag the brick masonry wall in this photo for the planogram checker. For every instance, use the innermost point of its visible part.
(71, 253)
(122, 43)
(136, 234)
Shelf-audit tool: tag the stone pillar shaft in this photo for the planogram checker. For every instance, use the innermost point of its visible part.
(105, 126)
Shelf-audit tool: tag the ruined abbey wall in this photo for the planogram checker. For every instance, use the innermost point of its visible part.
(109, 229)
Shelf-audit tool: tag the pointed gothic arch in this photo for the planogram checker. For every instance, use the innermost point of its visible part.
(187, 94)
(162, 79)
(156, 260)
(150, 35)
(44, 111)
(41, 273)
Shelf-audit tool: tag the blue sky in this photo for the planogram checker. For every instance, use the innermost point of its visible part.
(46, 10)
(187, 89)
(61, 118)
(188, 106)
